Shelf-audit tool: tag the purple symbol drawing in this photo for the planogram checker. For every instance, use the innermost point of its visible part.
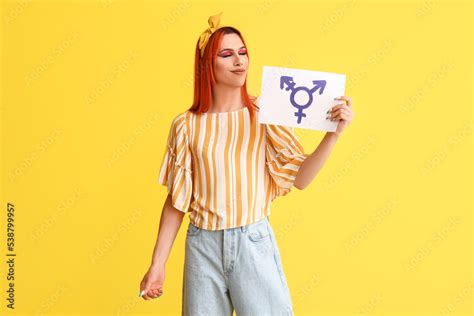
(290, 85)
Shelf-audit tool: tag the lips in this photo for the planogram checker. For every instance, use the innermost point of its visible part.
(239, 71)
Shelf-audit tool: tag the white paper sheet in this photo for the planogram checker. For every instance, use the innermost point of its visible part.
(299, 98)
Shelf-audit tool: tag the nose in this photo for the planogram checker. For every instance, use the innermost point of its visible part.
(238, 61)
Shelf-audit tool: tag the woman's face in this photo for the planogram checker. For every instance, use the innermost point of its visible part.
(231, 56)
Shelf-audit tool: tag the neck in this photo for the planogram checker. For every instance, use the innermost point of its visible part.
(226, 98)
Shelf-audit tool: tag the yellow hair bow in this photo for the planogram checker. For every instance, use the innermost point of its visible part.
(213, 21)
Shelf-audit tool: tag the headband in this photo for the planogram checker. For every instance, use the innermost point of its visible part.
(213, 21)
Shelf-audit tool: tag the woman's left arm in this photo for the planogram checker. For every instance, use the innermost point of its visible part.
(341, 112)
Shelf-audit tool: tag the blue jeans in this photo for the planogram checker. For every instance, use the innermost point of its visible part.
(237, 268)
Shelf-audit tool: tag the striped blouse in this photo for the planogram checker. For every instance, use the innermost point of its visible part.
(225, 169)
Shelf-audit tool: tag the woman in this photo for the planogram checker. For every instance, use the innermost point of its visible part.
(225, 168)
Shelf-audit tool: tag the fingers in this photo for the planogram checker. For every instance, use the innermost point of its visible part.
(344, 107)
(336, 114)
(334, 117)
(338, 117)
(152, 293)
(347, 100)
(338, 106)
(157, 292)
(146, 294)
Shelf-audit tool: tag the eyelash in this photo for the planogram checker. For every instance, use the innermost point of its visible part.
(225, 56)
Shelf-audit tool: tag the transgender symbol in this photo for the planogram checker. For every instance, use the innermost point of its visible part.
(318, 84)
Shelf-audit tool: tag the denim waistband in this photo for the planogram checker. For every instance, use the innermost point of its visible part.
(243, 228)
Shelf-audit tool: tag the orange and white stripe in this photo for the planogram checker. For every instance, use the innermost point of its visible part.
(225, 169)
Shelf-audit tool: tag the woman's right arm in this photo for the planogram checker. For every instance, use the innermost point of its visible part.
(170, 222)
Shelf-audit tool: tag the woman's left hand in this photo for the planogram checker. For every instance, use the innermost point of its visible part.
(341, 112)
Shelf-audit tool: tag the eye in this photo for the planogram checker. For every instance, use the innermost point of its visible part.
(227, 55)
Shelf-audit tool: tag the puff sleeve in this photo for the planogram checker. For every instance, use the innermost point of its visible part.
(176, 167)
(284, 156)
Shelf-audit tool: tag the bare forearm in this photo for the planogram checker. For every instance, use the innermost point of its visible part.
(170, 222)
(315, 161)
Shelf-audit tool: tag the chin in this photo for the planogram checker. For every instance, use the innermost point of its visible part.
(236, 84)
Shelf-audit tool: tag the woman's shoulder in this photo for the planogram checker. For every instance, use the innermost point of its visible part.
(180, 117)
(178, 124)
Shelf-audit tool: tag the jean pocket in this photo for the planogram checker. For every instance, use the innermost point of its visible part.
(193, 230)
(259, 231)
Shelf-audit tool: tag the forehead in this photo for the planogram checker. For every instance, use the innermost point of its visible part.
(232, 41)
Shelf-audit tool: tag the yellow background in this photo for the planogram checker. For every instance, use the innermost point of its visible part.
(89, 89)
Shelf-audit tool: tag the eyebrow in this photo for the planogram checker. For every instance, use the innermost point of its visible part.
(229, 49)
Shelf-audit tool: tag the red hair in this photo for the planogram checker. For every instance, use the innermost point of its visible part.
(204, 77)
